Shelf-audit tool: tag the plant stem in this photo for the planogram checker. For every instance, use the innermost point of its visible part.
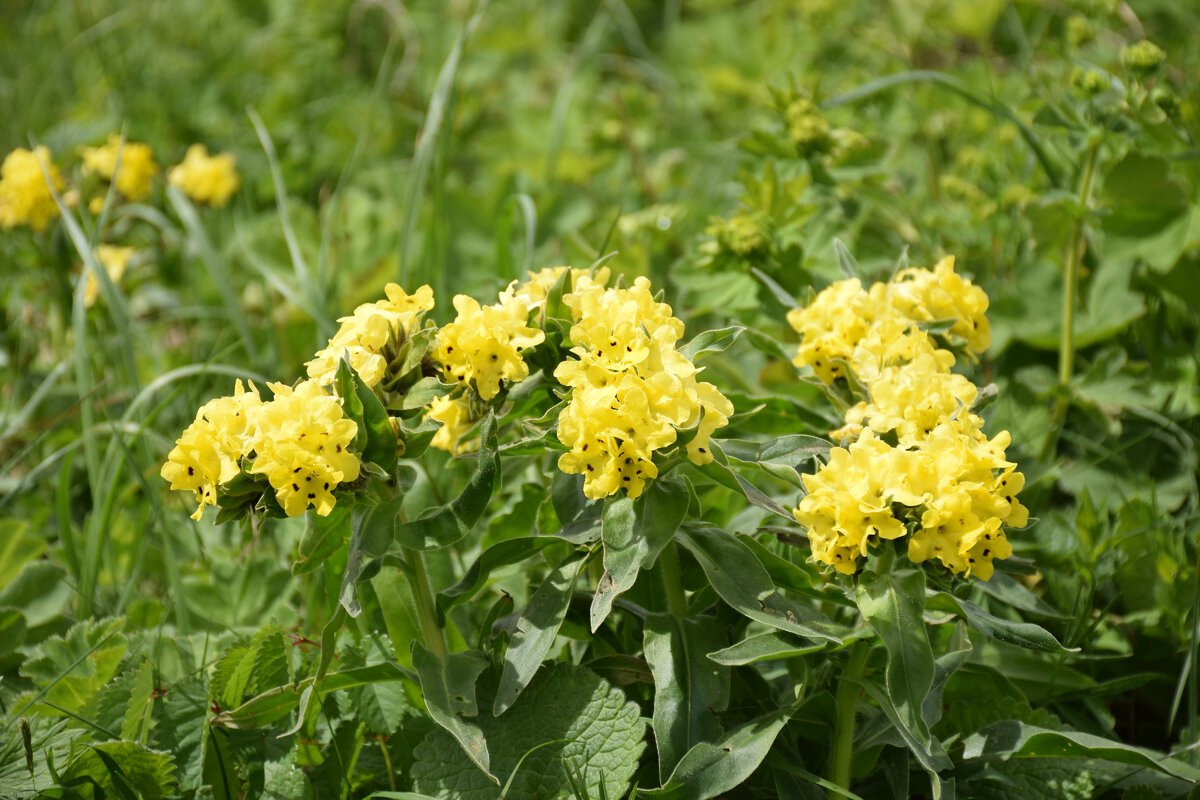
(672, 575)
(435, 637)
(847, 699)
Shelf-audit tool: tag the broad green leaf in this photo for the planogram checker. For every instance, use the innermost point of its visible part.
(501, 554)
(718, 469)
(323, 536)
(770, 646)
(742, 582)
(275, 704)
(150, 772)
(272, 662)
(711, 342)
(139, 702)
(12, 630)
(1011, 738)
(449, 690)
(380, 445)
(373, 535)
(451, 522)
(634, 533)
(689, 690)
(70, 669)
(180, 725)
(40, 590)
(382, 705)
(1141, 196)
(16, 548)
(892, 603)
(711, 769)
(424, 392)
(1007, 590)
(1022, 634)
(598, 727)
(792, 577)
(536, 629)
(231, 678)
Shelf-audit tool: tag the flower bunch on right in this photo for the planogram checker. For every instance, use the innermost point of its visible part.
(913, 459)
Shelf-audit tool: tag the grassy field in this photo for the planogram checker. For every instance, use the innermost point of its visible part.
(479, 618)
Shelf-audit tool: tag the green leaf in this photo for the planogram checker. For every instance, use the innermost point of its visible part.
(275, 704)
(770, 646)
(1022, 634)
(373, 535)
(689, 689)
(718, 469)
(501, 554)
(892, 603)
(323, 536)
(272, 664)
(231, 678)
(1141, 196)
(598, 727)
(742, 582)
(40, 590)
(150, 772)
(535, 632)
(710, 769)
(12, 630)
(70, 669)
(16, 548)
(450, 523)
(1011, 738)
(449, 690)
(634, 533)
(380, 445)
(711, 342)
(344, 387)
(180, 724)
(381, 705)
(846, 262)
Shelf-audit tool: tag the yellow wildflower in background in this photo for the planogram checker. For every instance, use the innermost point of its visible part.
(114, 260)
(132, 176)
(25, 196)
(211, 180)
(208, 452)
(363, 335)
(302, 444)
(483, 345)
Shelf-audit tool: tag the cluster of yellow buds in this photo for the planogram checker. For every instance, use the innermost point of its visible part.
(632, 391)
(25, 195)
(914, 460)
(300, 440)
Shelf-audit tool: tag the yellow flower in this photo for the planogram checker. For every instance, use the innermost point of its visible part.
(483, 344)
(914, 398)
(839, 317)
(134, 172)
(25, 196)
(363, 335)
(455, 416)
(301, 443)
(533, 291)
(206, 179)
(114, 260)
(208, 453)
(941, 294)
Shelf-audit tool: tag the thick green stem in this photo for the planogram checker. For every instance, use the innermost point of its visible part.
(847, 700)
(435, 637)
(1066, 343)
(672, 574)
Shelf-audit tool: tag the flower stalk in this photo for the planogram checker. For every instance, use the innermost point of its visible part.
(848, 692)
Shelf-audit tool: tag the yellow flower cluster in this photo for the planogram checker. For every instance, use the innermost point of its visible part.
(25, 196)
(114, 260)
(300, 440)
(364, 334)
(943, 482)
(211, 180)
(132, 175)
(483, 345)
(534, 290)
(631, 389)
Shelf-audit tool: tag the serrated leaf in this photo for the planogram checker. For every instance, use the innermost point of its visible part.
(181, 722)
(535, 632)
(272, 665)
(501, 554)
(382, 706)
(710, 769)
(689, 689)
(283, 780)
(600, 730)
(139, 702)
(450, 523)
(449, 688)
(49, 741)
(742, 582)
(770, 646)
(72, 668)
(231, 678)
(150, 772)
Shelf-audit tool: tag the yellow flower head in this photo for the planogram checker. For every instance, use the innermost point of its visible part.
(132, 175)
(114, 260)
(631, 389)
(455, 416)
(483, 344)
(363, 334)
(941, 294)
(302, 444)
(533, 291)
(208, 453)
(25, 196)
(832, 326)
(913, 399)
(206, 179)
